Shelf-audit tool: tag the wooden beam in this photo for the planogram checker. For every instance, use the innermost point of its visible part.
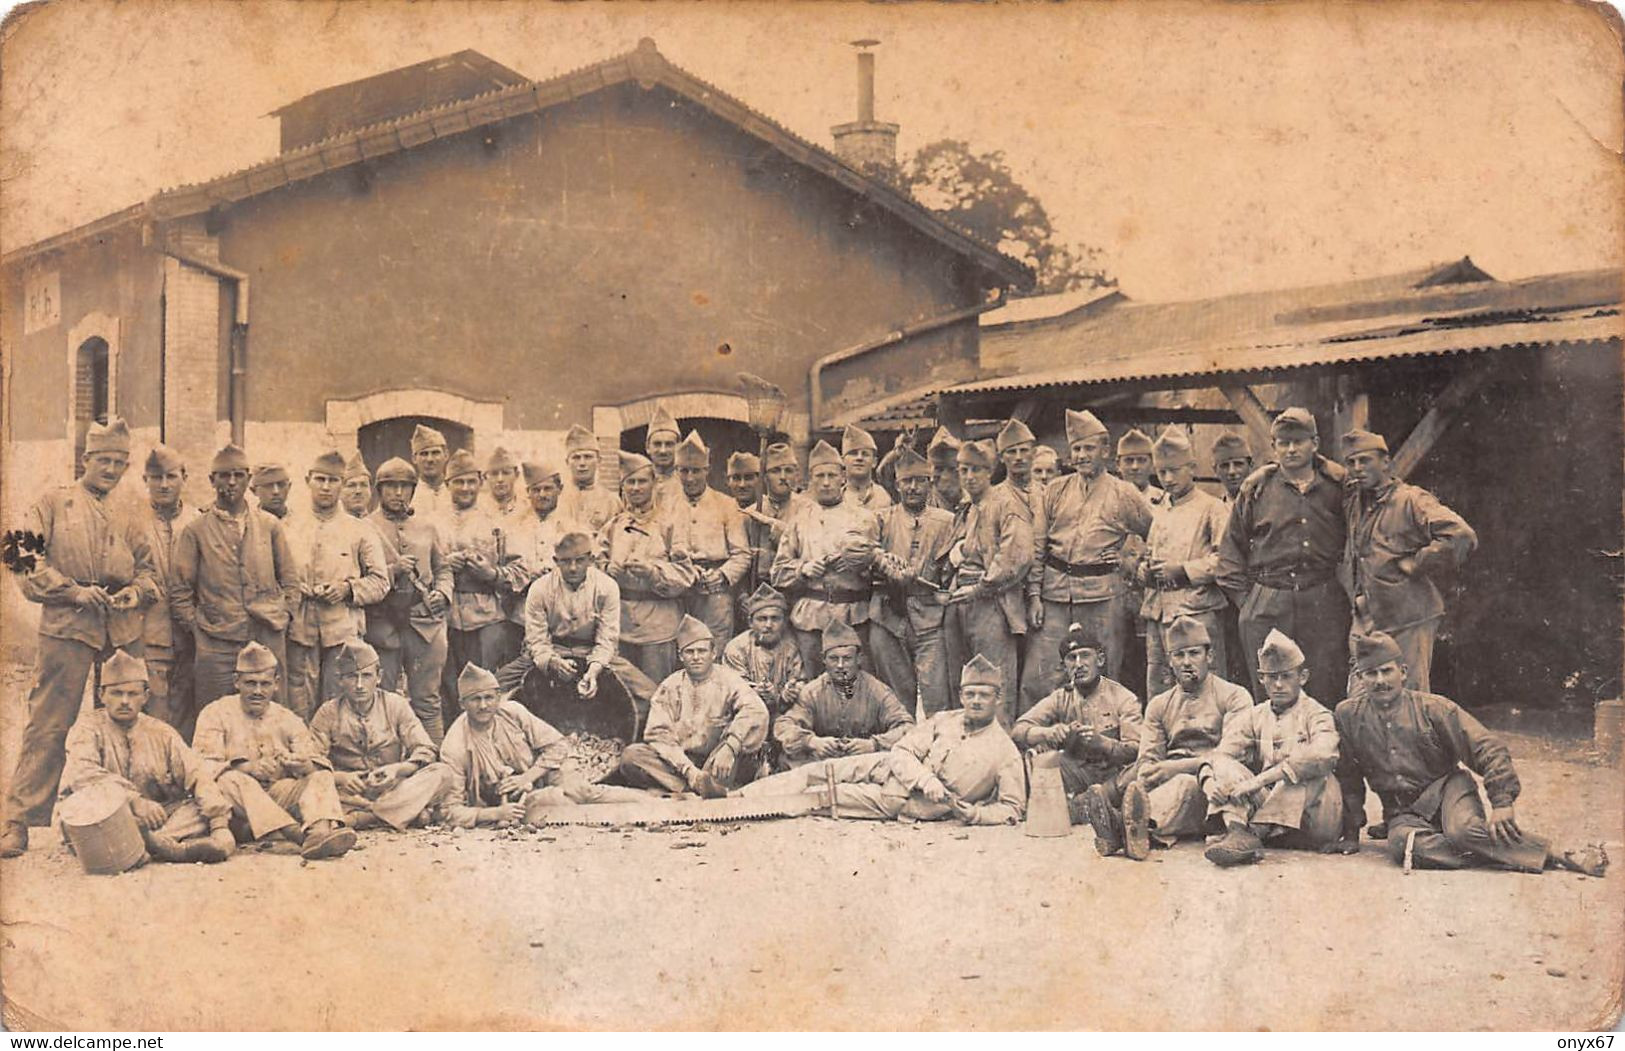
(1351, 408)
(1428, 430)
(1251, 411)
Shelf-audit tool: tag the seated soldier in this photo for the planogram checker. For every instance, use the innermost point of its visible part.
(768, 658)
(1182, 727)
(1447, 785)
(959, 763)
(274, 773)
(706, 725)
(1094, 722)
(1271, 776)
(498, 753)
(845, 711)
(573, 627)
(183, 816)
(384, 765)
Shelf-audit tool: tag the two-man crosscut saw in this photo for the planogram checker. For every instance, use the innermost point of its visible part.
(679, 811)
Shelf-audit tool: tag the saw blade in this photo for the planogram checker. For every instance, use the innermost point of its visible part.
(677, 811)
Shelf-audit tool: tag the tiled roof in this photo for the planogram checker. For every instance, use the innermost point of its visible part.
(644, 65)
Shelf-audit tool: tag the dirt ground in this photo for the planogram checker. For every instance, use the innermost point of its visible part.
(814, 923)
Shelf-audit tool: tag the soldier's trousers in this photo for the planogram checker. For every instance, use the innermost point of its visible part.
(1077, 775)
(912, 665)
(644, 767)
(1459, 835)
(864, 789)
(979, 626)
(405, 801)
(1308, 814)
(184, 820)
(215, 665)
(312, 677)
(1317, 619)
(1159, 674)
(424, 661)
(171, 694)
(259, 810)
(1107, 619)
(1177, 808)
(483, 647)
(63, 667)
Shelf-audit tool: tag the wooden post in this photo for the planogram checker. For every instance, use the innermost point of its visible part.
(1351, 408)
(1252, 413)
(1472, 379)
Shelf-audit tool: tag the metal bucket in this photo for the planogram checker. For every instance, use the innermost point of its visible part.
(1047, 813)
(102, 831)
(611, 713)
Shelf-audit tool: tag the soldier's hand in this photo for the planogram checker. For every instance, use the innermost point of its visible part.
(587, 688)
(935, 791)
(824, 747)
(514, 785)
(561, 669)
(1504, 826)
(812, 569)
(408, 563)
(481, 567)
(1152, 774)
(91, 597)
(1035, 611)
(349, 783)
(435, 602)
(297, 765)
(148, 815)
(791, 692)
(510, 813)
(125, 598)
(963, 811)
(262, 770)
(721, 763)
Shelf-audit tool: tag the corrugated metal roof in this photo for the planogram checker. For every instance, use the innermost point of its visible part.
(1324, 344)
(644, 65)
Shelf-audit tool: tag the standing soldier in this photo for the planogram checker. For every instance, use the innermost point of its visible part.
(745, 486)
(408, 628)
(1078, 577)
(640, 553)
(235, 580)
(1400, 537)
(1046, 466)
(991, 558)
(532, 538)
(1015, 448)
(429, 456)
(356, 492)
(168, 644)
(764, 521)
(92, 579)
(502, 486)
(710, 528)
(824, 558)
(859, 453)
(271, 484)
(341, 568)
(943, 453)
(1181, 558)
(1232, 462)
(584, 501)
(1134, 465)
(1134, 461)
(906, 612)
(660, 442)
(1281, 550)
(477, 630)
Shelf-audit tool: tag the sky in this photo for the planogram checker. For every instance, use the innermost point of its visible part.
(1203, 148)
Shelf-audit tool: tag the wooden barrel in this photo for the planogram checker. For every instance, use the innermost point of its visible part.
(1609, 728)
(611, 713)
(102, 830)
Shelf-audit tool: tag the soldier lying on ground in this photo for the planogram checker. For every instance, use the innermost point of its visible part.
(959, 763)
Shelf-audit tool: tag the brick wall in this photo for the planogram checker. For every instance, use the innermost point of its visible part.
(192, 373)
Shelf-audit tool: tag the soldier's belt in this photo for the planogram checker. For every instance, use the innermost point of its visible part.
(1294, 581)
(1080, 569)
(827, 594)
(710, 563)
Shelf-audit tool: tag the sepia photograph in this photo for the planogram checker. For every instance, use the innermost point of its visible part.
(744, 516)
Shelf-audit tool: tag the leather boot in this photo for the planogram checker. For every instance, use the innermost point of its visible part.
(13, 840)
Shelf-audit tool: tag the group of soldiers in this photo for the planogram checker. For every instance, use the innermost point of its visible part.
(890, 632)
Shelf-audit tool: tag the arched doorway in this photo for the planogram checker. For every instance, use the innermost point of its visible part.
(92, 393)
(382, 439)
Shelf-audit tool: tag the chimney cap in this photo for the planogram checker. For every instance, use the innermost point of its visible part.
(865, 43)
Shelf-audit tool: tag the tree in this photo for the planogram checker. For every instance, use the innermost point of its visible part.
(976, 192)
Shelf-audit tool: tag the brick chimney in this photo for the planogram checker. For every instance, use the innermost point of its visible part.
(866, 144)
